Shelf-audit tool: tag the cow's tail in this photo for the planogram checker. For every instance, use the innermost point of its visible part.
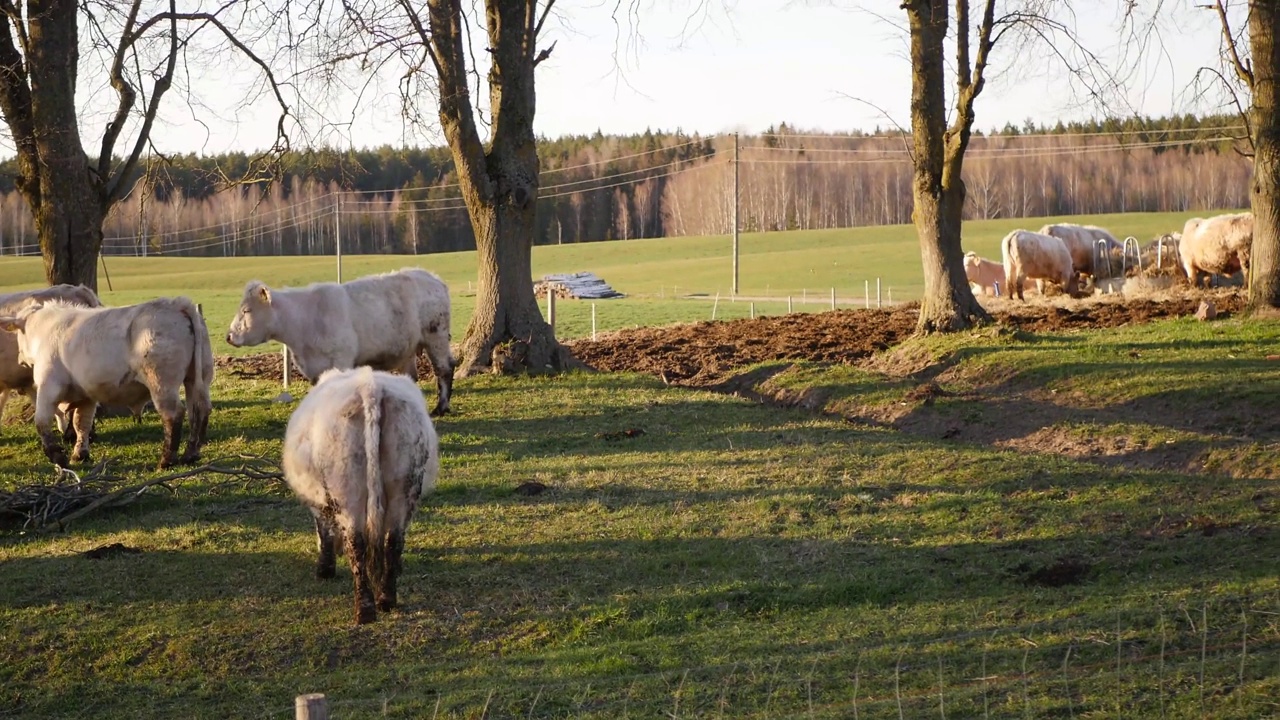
(203, 350)
(1007, 255)
(199, 402)
(375, 507)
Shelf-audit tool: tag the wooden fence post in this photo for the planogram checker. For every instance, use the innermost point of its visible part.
(312, 706)
(284, 358)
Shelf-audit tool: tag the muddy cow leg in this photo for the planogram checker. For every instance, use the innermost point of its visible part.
(50, 441)
(81, 416)
(437, 347)
(169, 407)
(357, 547)
(327, 543)
(392, 550)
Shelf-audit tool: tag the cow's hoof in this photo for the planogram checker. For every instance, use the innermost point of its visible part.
(386, 604)
(366, 615)
(59, 459)
(326, 572)
(164, 465)
(438, 411)
(80, 457)
(189, 459)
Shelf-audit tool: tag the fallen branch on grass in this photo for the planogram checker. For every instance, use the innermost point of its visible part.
(73, 495)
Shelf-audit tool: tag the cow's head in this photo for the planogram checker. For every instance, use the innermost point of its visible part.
(28, 345)
(254, 321)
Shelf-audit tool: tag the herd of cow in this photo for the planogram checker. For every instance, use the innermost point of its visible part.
(1065, 254)
(358, 450)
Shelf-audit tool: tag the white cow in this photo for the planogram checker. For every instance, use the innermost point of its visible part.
(14, 376)
(382, 321)
(1082, 243)
(1219, 245)
(1033, 256)
(121, 356)
(359, 452)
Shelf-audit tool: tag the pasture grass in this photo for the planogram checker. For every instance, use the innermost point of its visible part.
(734, 560)
(667, 280)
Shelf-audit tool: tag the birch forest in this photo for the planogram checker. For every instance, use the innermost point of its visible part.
(660, 184)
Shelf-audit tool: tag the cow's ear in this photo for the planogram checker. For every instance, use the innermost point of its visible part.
(264, 294)
(13, 324)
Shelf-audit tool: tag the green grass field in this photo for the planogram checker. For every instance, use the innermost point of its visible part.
(804, 266)
(735, 560)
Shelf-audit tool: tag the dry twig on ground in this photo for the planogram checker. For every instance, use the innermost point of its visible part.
(73, 495)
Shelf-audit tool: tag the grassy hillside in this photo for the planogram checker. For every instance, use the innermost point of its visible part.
(732, 560)
(803, 265)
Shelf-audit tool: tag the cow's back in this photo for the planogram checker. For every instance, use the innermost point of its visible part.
(107, 351)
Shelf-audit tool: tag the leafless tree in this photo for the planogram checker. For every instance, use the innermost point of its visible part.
(45, 45)
(938, 146)
(1257, 68)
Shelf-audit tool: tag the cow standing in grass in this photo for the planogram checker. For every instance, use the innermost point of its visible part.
(382, 321)
(122, 356)
(359, 451)
(1033, 256)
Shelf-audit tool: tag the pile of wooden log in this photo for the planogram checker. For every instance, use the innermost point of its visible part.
(575, 286)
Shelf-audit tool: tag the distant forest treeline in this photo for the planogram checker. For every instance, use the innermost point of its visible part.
(609, 187)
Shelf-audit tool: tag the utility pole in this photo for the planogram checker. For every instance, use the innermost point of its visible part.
(337, 232)
(735, 213)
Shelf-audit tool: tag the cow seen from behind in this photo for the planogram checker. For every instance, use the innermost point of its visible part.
(359, 451)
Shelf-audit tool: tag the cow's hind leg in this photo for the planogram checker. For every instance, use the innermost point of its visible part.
(357, 547)
(393, 550)
(437, 347)
(169, 407)
(198, 407)
(327, 539)
(81, 420)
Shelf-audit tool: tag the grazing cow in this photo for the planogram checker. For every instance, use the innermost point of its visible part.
(121, 356)
(984, 274)
(1033, 256)
(14, 376)
(1082, 243)
(359, 452)
(382, 321)
(1217, 245)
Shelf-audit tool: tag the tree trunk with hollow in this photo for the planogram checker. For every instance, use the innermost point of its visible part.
(1264, 271)
(499, 184)
(938, 191)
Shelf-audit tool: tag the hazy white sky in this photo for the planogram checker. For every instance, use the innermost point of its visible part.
(765, 62)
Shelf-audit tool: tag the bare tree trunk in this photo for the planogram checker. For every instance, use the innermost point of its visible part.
(1264, 269)
(54, 176)
(499, 184)
(937, 188)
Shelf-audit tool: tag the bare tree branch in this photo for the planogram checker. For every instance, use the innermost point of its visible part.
(1244, 70)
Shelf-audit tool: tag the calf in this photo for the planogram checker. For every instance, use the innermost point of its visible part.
(121, 356)
(382, 321)
(1037, 257)
(986, 275)
(359, 451)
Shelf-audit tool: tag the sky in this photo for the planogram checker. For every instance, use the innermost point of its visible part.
(810, 64)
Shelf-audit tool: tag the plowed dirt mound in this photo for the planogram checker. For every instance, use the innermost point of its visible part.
(705, 353)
